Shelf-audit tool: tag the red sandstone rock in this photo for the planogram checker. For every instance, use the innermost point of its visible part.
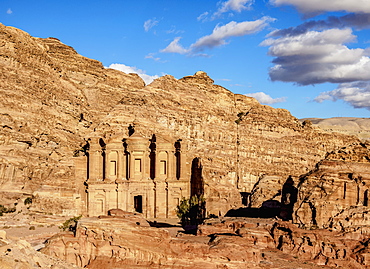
(230, 243)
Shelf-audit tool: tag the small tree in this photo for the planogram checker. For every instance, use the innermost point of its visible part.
(4, 209)
(70, 224)
(28, 201)
(191, 211)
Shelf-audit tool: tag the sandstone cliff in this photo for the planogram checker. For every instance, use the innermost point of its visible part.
(50, 97)
(335, 195)
(54, 98)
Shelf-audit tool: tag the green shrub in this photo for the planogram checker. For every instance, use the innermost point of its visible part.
(32, 228)
(3, 210)
(191, 211)
(70, 224)
(28, 201)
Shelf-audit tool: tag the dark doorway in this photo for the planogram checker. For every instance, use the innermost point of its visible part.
(102, 144)
(152, 156)
(196, 180)
(366, 198)
(178, 158)
(245, 198)
(138, 203)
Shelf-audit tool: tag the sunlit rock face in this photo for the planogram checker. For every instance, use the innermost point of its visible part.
(127, 241)
(53, 99)
(50, 97)
(335, 194)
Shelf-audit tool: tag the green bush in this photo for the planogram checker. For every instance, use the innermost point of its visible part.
(191, 211)
(28, 201)
(70, 224)
(3, 210)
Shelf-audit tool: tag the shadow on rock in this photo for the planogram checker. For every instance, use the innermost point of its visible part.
(162, 224)
(269, 209)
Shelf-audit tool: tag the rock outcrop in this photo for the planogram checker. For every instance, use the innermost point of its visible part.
(335, 195)
(20, 254)
(54, 98)
(51, 95)
(122, 242)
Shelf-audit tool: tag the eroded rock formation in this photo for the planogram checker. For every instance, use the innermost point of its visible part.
(54, 98)
(335, 194)
(121, 242)
(20, 254)
(50, 97)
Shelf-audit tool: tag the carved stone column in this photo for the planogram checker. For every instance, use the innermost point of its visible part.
(95, 172)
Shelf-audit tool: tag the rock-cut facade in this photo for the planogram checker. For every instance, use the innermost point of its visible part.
(136, 174)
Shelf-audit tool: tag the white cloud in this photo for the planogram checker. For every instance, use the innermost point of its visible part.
(233, 5)
(221, 33)
(152, 56)
(218, 36)
(318, 57)
(131, 69)
(357, 94)
(318, 6)
(203, 16)
(264, 98)
(9, 11)
(175, 47)
(150, 24)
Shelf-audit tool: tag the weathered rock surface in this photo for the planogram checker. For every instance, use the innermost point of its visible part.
(227, 243)
(323, 247)
(335, 195)
(121, 242)
(238, 139)
(346, 125)
(19, 254)
(53, 99)
(50, 97)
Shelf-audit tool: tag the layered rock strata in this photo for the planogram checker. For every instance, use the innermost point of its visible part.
(123, 242)
(53, 99)
(50, 97)
(335, 194)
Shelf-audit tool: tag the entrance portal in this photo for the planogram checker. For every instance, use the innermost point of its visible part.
(138, 203)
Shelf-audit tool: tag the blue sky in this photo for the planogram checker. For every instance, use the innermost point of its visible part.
(310, 57)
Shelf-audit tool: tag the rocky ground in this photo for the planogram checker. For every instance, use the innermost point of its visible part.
(33, 240)
(229, 242)
(23, 235)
